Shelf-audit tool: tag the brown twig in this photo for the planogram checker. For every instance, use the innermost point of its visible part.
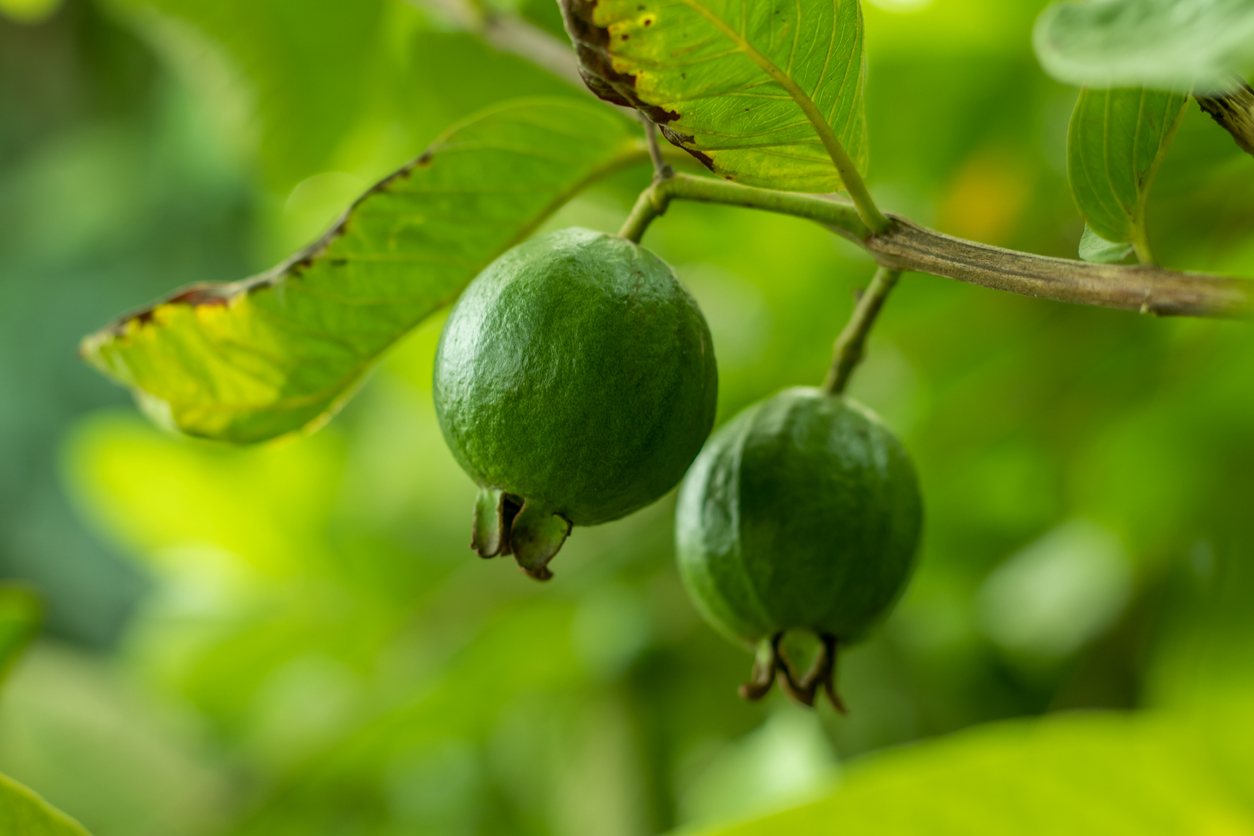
(1234, 111)
(908, 246)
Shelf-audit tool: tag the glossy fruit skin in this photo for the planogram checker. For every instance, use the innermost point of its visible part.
(576, 373)
(802, 512)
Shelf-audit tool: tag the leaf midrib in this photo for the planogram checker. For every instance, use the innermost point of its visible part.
(830, 141)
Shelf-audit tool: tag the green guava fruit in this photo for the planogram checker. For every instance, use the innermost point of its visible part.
(574, 382)
(802, 514)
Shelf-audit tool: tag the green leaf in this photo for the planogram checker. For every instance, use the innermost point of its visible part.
(248, 361)
(1094, 247)
(20, 614)
(1114, 148)
(747, 87)
(23, 813)
(1104, 775)
(1160, 44)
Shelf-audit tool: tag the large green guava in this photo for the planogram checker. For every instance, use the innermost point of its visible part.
(574, 382)
(802, 513)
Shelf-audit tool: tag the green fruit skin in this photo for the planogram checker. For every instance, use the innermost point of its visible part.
(803, 511)
(577, 373)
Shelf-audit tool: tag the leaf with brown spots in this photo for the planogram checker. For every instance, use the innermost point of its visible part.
(252, 360)
(748, 87)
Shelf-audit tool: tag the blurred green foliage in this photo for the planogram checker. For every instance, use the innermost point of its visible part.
(24, 812)
(294, 638)
(20, 615)
(1054, 776)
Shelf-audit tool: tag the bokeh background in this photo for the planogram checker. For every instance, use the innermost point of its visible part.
(295, 638)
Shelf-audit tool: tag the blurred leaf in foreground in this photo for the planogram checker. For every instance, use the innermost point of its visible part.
(248, 361)
(1074, 775)
(23, 813)
(124, 762)
(1161, 44)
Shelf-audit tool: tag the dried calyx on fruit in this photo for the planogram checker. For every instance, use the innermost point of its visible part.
(575, 382)
(801, 515)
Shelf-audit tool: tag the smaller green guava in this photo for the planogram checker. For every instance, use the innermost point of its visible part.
(801, 515)
(574, 382)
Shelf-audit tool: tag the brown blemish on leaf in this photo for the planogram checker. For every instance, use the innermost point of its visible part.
(685, 141)
(198, 295)
(596, 66)
(220, 293)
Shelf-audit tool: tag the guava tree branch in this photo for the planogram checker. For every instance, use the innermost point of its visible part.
(907, 246)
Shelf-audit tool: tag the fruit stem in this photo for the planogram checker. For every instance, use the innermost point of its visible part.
(651, 204)
(851, 344)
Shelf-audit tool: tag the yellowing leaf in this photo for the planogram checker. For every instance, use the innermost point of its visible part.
(748, 87)
(248, 361)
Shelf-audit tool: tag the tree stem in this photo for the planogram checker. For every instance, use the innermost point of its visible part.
(649, 205)
(907, 246)
(851, 344)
